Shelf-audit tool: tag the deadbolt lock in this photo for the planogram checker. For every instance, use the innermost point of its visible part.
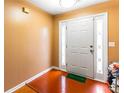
(91, 46)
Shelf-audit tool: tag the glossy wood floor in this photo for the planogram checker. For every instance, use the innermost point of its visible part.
(25, 89)
(55, 81)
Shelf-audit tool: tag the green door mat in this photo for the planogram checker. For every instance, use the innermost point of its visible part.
(76, 77)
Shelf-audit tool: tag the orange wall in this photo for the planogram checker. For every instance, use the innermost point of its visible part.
(113, 22)
(31, 48)
(27, 43)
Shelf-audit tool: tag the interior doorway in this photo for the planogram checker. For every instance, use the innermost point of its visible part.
(83, 46)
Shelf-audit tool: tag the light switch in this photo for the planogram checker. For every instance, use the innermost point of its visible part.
(111, 44)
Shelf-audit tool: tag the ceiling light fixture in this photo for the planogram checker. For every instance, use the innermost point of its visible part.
(67, 3)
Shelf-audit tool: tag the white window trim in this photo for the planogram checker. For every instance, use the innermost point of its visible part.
(60, 46)
(105, 49)
(105, 44)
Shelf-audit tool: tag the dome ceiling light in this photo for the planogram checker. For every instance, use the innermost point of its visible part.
(67, 3)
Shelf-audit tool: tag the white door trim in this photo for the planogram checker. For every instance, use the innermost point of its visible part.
(105, 56)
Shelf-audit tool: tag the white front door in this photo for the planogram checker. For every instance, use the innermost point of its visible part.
(80, 47)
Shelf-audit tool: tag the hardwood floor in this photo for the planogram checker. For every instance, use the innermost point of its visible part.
(25, 89)
(55, 81)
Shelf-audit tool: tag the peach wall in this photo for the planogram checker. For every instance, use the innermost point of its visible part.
(28, 42)
(113, 22)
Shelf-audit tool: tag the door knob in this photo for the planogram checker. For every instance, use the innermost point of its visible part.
(91, 51)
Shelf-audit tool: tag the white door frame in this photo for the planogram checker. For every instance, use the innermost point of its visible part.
(105, 49)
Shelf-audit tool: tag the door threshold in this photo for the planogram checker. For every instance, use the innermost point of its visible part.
(58, 68)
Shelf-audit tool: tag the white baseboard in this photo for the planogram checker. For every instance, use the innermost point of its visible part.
(100, 80)
(27, 81)
(57, 68)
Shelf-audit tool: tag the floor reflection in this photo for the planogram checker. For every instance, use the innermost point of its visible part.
(63, 84)
(99, 89)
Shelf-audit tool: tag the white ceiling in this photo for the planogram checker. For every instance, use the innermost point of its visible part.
(53, 6)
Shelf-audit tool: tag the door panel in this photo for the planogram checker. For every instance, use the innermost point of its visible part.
(79, 47)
